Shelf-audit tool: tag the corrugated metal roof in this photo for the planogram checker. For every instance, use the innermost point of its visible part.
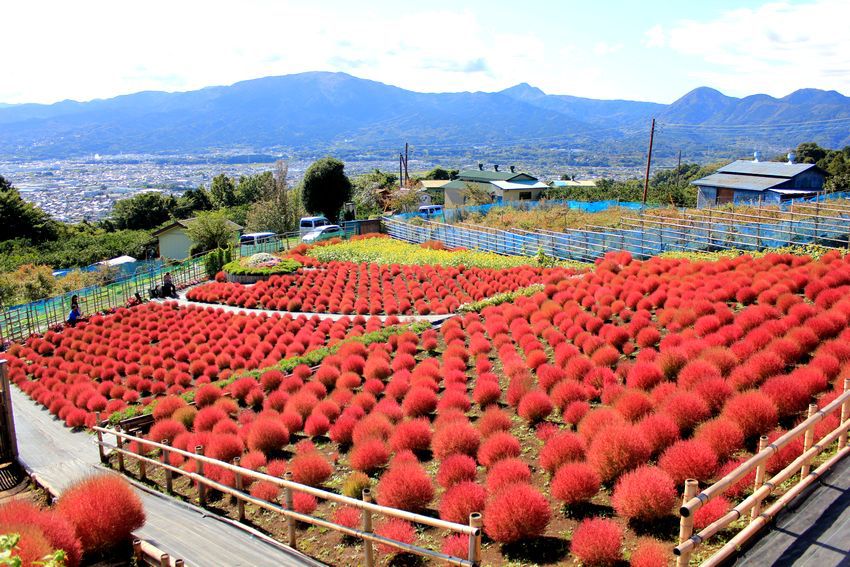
(433, 183)
(507, 185)
(745, 182)
(766, 168)
(490, 175)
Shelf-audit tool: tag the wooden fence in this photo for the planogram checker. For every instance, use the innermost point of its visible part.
(366, 506)
(762, 488)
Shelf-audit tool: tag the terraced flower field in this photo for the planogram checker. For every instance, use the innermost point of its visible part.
(570, 417)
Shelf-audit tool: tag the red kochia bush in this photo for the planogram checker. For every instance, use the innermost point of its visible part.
(712, 510)
(575, 482)
(456, 468)
(397, 530)
(267, 435)
(646, 493)
(506, 472)
(310, 468)
(33, 545)
(461, 500)
(723, 435)
(104, 511)
(56, 529)
(597, 541)
(414, 435)
(689, 459)
(753, 411)
(535, 406)
(405, 486)
(561, 448)
(649, 553)
(457, 437)
(369, 455)
(616, 449)
(500, 445)
(516, 513)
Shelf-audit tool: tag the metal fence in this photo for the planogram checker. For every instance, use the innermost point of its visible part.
(17, 322)
(458, 214)
(646, 233)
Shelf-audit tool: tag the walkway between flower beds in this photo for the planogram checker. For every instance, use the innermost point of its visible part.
(812, 531)
(56, 457)
(436, 319)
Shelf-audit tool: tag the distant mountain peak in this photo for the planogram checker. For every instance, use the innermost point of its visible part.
(523, 91)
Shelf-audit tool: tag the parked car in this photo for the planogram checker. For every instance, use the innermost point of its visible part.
(309, 224)
(429, 211)
(253, 238)
(323, 233)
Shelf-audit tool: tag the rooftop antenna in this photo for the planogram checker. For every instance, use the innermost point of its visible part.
(791, 156)
(756, 155)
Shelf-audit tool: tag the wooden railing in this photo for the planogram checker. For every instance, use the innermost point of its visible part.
(145, 553)
(366, 506)
(758, 517)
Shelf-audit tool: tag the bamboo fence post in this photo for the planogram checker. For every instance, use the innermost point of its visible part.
(845, 415)
(686, 523)
(290, 522)
(137, 550)
(100, 450)
(808, 439)
(164, 560)
(169, 487)
(178, 563)
(143, 468)
(119, 442)
(367, 527)
(475, 521)
(240, 504)
(202, 488)
(756, 510)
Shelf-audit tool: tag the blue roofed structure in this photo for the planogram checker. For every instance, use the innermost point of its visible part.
(751, 182)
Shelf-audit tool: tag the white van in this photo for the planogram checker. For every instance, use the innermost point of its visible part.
(309, 224)
(428, 211)
(254, 238)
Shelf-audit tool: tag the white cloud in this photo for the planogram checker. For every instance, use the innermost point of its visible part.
(100, 48)
(655, 36)
(774, 49)
(603, 48)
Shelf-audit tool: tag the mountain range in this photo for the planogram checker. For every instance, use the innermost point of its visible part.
(319, 112)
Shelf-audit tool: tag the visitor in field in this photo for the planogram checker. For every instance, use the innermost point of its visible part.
(75, 315)
(168, 287)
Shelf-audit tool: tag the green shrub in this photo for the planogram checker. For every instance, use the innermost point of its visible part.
(286, 266)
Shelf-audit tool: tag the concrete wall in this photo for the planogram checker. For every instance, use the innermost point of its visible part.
(513, 194)
(175, 244)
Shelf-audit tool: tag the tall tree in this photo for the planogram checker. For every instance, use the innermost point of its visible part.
(253, 188)
(20, 219)
(325, 187)
(280, 208)
(222, 191)
(210, 230)
(143, 211)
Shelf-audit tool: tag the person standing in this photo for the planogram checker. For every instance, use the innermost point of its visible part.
(75, 315)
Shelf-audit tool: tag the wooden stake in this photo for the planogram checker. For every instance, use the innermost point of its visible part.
(754, 513)
(808, 439)
(240, 504)
(845, 415)
(119, 442)
(100, 450)
(475, 521)
(367, 527)
(686, 523)
(164, 560)
(202, 488)
(287, 498)
(169, 487)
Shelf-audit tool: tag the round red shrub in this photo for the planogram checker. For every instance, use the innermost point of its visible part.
(104, 511)
(395, 529)
(419, 401)
(310, 468)
(267, 435)
(500, 445)
(646, 494)
(456, 437)
(687, 409)
(724, 436)
(616, 449)
(575, 482)
(456, 546)
(650, 553)
(461, 500)
(456, 468)
(563, 447)
(492, 420)
(506, 472)
(535, 406)
(689, 459)
(414, 435)
(265, 490)
(712, 510)
(405, 486)
(32, 546)
(754, 411)
(56, 529)
(597, 541)
(516, 513)
(369, 455)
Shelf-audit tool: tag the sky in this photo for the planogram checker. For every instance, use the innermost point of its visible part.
(649, 50)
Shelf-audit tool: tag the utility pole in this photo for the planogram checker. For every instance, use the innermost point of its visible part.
(406, 173)
(400, 169)
(648, 161)
(678, 168)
